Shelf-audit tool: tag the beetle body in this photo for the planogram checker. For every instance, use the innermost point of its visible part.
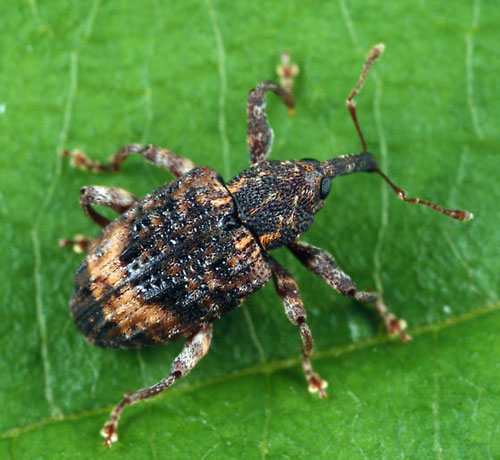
(177, 259)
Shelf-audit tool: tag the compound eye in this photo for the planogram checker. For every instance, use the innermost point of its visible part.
(324, 187)
(310, 160)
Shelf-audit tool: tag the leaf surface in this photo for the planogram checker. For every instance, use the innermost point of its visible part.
(97, 75)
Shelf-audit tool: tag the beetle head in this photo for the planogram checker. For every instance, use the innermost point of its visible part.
(277, 200)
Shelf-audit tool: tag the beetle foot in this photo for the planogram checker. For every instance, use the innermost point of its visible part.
(317, 385)
(81, 161)
(287, 73)
(394, 325)
(78, 159)
(397, 326)
(109, 432)
(79, 243)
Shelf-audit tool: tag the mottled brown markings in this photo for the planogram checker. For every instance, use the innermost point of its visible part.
(243, 242)
(222, 202)
(277, 200)
(122, 308)
(268, 238)
(259, 132)
(132, 316)
(129, 319)
(106, 263)
(118, 199)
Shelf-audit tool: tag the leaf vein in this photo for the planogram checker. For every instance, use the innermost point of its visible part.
(40, 314)
(469, 69)
(209, 451)
(253, 334)
(34, 13)
(435, 403)
(221, 57)
(268, 367)
(267, 420)
(352, 429)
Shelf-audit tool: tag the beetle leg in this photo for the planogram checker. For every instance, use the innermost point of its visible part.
(117, 199)
(158, 156)
(323, 264)
(259, 132)
(294, 308)
(194, 349)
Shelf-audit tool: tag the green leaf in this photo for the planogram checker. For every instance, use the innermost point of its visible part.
(97, 75)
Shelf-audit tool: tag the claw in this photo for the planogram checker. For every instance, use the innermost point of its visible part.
(79, 160)
(109, 432)
(394, 325)
(79, 243)
(318, 385)
(397, 326)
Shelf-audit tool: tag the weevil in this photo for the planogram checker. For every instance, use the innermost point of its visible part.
(194, 249)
